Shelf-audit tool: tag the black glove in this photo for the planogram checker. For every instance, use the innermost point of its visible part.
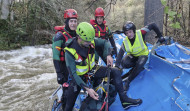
(161, 39)
(60, 78)
(114, 51)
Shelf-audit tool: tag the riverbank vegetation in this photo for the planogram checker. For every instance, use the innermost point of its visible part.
(31, 22)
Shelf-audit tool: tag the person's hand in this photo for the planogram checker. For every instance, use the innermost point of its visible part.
(114, 52)
(110, 60)
(161, 39)
(92, 93)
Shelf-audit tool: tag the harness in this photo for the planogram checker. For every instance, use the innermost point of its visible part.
(83, 66)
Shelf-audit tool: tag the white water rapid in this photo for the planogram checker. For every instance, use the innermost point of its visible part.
(27, 78)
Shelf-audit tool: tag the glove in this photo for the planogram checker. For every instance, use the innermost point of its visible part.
(114, 51)
(161, 39)
(60, 78)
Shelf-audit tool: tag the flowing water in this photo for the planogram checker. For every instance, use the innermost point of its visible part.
(27, 79)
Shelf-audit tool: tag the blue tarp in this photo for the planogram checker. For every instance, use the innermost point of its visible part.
(164, 85)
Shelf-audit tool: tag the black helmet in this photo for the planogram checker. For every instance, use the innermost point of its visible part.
(129, 26)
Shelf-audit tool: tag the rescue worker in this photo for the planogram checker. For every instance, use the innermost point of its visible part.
(102, 31)
(63, 33)
(80, 61)
(137, 51)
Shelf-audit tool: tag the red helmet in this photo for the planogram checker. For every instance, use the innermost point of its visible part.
(70, 13)
(99, 12)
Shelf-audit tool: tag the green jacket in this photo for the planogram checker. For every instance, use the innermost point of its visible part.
(83, 52)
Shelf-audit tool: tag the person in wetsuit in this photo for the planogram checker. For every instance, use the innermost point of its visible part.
(137, 51)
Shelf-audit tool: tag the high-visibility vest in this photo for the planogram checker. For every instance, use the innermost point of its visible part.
(138, 48)
(82, 69)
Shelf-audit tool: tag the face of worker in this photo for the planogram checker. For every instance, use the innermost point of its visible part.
(100, 20)
(73, 24)
(84, 43)
(130, 34)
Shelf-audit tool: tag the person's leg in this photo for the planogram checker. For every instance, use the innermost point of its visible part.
(117, 81)
(138, 67)
(135, 70)
(127, 62)
(64, 78)
(125, 100)
(65, 71)
(71, 96)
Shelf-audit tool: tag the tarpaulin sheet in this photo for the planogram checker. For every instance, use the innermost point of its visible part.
(164, 85)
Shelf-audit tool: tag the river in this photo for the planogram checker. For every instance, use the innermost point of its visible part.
(27, 79)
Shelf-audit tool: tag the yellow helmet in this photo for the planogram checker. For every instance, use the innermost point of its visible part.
(86, 31)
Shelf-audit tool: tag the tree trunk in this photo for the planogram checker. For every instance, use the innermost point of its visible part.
(189, 20)
(154, 12)
(166, 21)
(183, 25)
(0, 6)
(5, 9)
(33, 42)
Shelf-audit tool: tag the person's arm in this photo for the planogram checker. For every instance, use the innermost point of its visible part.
(58, 40)
(150, 27)
(120, 56)
(112, 41)
(154, 27)
(71, 66)
(105, 45)
(113, 45)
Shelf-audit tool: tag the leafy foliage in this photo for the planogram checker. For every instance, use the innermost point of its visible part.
(172, 15)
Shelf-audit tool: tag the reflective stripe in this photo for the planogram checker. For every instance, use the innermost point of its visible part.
(89, 61)
(140, 40)
(106, 28)
(93, 63)
(138, 48)
(100, 88)
(98, 33)
(81, 70)
(126, 45)
(145, 29)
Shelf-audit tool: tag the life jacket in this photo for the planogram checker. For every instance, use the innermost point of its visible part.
(83, 66)
(138, 48)
(98, 30)
(67, 36)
